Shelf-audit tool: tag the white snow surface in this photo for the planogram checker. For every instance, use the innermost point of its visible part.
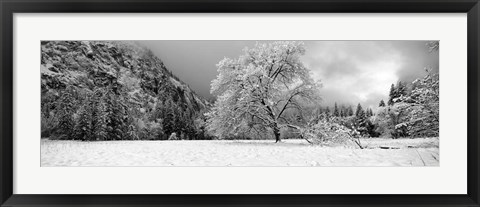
(249, 153)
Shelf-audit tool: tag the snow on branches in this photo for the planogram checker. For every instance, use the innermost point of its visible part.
(416, 113)
(423, 102)
(256, 89)
(329, 133)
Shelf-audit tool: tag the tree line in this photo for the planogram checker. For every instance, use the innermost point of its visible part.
(103, 114)
(119, 92)
(413, 108)
(266, 93)
(268, 90)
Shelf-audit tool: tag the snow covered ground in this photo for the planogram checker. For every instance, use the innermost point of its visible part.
(401, 152)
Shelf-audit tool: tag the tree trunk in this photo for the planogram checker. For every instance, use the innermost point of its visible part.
(276, 131)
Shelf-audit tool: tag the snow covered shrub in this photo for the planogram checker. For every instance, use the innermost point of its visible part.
(383, 122)
(173, 136)
(48, 123)
(130, 82)
(49, 116)
(393, 121)
(401, 130)
(329, 133)
(153, 131)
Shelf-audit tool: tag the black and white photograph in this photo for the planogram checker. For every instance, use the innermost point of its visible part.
(240, 103)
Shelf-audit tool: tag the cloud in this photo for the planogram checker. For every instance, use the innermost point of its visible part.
(351, 71)
(415, 57)
(362, 71)
(194, 62)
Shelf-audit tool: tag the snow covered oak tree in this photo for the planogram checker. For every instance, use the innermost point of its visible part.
(255, 91)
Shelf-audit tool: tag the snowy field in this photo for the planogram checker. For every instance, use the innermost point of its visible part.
(399, 152)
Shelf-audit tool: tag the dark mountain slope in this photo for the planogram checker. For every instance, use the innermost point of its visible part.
(99, 90)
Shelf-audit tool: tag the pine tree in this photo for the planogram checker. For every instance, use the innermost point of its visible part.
(179, 124)
(91, 118)
(361, 121)
(381, 104)
(115, 116)
(359, 110)
(391, 95)
(350, 111)
(83, 127)
(335, 111)
(401, 90)
(66, 124)
(169, 118)
(97, 110)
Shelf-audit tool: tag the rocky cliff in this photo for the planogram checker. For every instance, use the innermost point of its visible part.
(122, 85)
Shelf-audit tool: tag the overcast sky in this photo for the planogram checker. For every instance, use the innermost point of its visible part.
(351, 71)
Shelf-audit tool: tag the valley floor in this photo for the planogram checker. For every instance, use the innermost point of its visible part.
(400, 152)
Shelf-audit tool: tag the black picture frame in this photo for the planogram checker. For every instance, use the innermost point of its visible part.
(9, 7)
